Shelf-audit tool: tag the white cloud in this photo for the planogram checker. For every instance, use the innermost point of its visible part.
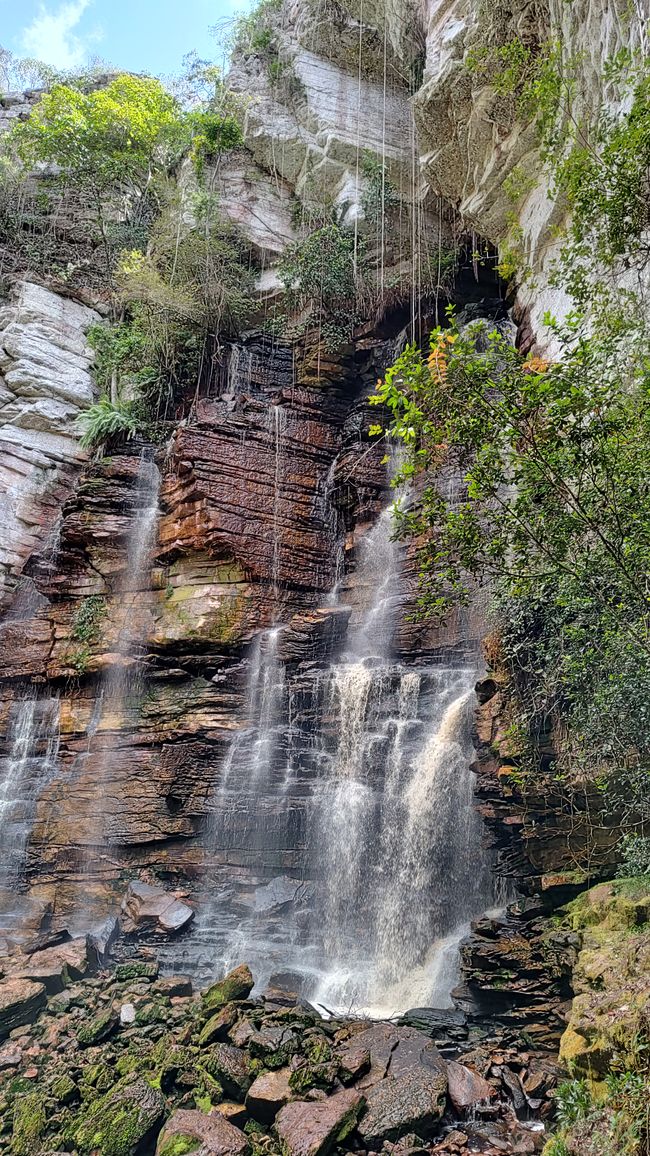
(51, 36)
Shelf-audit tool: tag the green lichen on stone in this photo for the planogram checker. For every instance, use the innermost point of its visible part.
(30, 1122)
(120, 1121)
(238, 984)
(99, 1028)
(64, 1089)
(152, 1013)
(179, 1146)
(135, 970)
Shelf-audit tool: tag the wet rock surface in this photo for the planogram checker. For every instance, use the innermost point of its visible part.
(83, 1077)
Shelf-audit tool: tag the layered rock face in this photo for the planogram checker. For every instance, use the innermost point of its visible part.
(45, 363)
(263, 492)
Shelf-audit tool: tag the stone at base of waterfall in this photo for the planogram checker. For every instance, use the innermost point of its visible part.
(238, 984)
(144, 904)
(191, 1131)
(268, 1094)
(413, 1102)
(55, 967)
(125, 1119)
(313, 1129)
(20, 1002)
(466, 1088)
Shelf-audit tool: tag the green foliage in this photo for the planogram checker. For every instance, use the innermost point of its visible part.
(254, 32)
(320, 274)
(555, 510)
(111, 135)
(213, 134)
(87, 619)
(617, 1123)
(106, 420)
(379, 194)
(572, 1101)
(605, 177)
(635, 856)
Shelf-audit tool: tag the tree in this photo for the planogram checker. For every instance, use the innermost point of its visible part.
(534, 481)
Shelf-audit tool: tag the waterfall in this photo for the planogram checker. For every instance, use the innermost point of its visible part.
(396, 838)
(276, 426)
(345, 842)
(30, 761)
(121, 686)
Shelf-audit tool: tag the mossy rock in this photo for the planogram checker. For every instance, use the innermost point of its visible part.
(98, 1029)
(155, 1012)
(230, 1067)
(122, 1121)
(30, 1122)
(96, 1078)
(238, 984)
(179, 1146)
(64, 1089)
(135, 970)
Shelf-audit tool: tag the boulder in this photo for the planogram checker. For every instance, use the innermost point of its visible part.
(413, 1102)
(219, 1025)
(97, 1029)
(20, 1002)
(174, 986)
(125, 1119)
(354, 1060)
(313, 1129)
(144, 904)
(268, 1094)
(466, 1087)
(238, 984)
(273, 1045)
(135, 969)
(191, 1131)
(229, 1066)
(55, 967)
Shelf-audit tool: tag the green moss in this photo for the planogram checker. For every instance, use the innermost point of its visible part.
(64, 1089)
(30, 1122)
(237, 985)
(152, 1013)
(119, 1122)
(135, 970)
(99, 1028)
(179, 1146)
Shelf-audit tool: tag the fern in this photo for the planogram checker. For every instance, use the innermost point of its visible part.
(106, 420)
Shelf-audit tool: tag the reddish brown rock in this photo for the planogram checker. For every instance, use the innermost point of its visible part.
(268, 1094)
(213, 1134)
(312, 1129)
(20, 1002)
(55, 967)
(466, 1088)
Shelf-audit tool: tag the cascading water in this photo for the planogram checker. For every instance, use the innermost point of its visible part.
(30, 761)
(121, 686)
(361, 770)
(396, 835)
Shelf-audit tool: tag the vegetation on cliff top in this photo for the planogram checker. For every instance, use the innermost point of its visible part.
(173, 271)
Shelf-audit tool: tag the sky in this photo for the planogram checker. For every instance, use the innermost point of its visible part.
(138, 35)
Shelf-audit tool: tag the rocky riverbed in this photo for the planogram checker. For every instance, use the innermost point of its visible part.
(124, 1061)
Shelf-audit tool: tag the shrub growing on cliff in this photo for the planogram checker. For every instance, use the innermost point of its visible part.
(321, 275)
(554, 507)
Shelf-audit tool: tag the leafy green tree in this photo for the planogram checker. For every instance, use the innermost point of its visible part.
(533, 481)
